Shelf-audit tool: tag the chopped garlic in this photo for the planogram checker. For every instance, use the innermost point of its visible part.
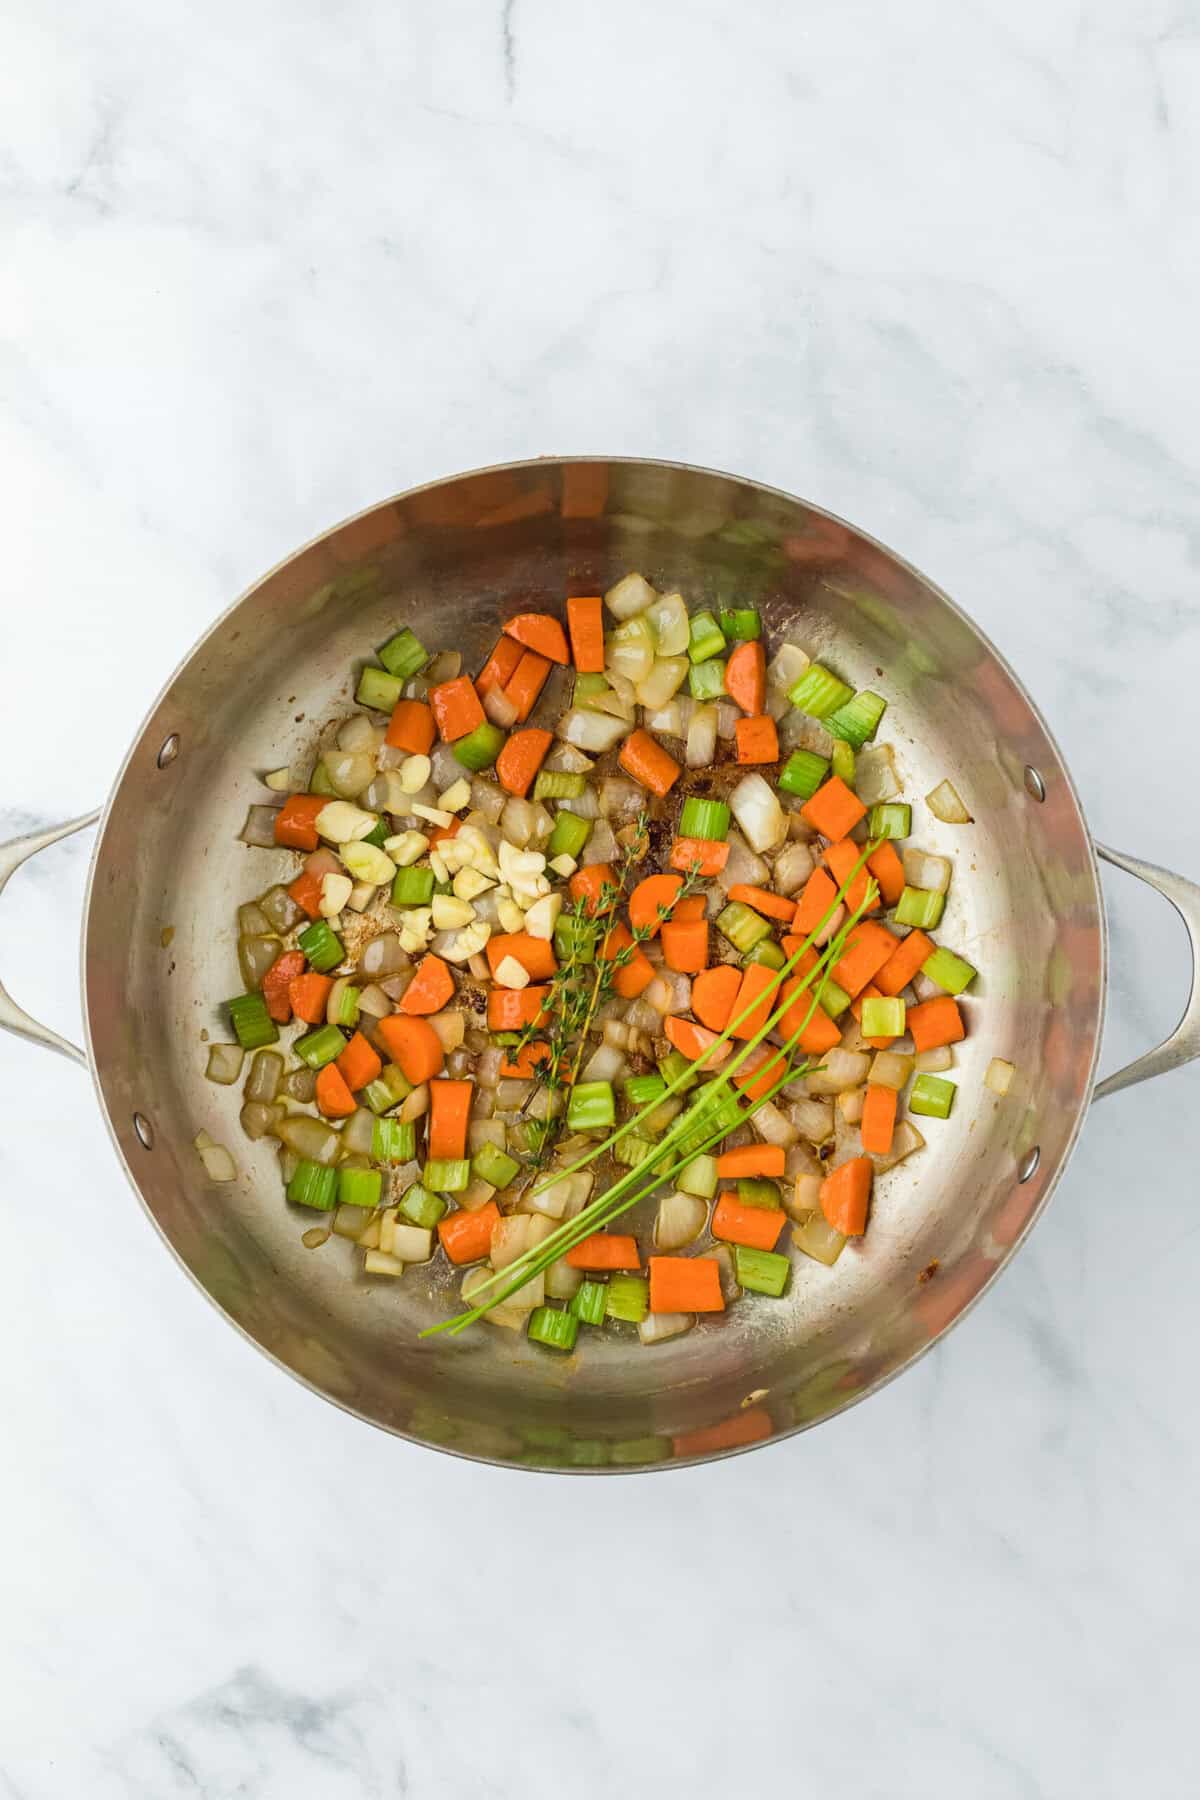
(511, 974)
(406, 847)
(541, 917)
(336, 890)
(469, 884)
(449, 913)
(456, 796)
(468, 942)
(343, 823)
(367, 862)
(361, 896)
(434, 814)
(519, 867)
(279, 779)
(563, 865)
(414, 773)
(510, 915)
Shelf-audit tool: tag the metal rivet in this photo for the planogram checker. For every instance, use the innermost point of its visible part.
(1027, 1166)
(169, 751)
(1035, 787)
(143, 1130)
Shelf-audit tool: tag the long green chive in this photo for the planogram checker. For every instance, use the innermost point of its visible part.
(480, 748)
(404, 654)
(555, 1329)
(760, 1271)
(740, 623)
(705, 637)
(252, 1024)
(377, 689)
(591, 1106)
(703, 818)
(359, 1187)
(422, 1207)
(889, 819)
(312, 1184)
(393, 1140)
(882, 1017)
(931, 1096)
(920, 907)
(627, 1298)
(742, 926)
(819, 693)
(952, 973)
(319, 1047)
(495, 1166)
(706, 680)
(321, 945)
(447, 1175)
(570, 835)
(803, 773)
(587, 1302)
(412, 887)
(556, 784)
(858, 720)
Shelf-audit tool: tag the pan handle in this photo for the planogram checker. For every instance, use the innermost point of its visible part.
(1184, 1042)
(13, 1017)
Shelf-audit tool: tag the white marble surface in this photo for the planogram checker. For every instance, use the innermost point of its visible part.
(936, 267)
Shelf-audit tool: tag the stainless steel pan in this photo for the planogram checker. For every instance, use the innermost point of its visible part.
(1026, 906)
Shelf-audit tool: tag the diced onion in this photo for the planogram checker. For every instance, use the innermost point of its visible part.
(803, 1192)
(383, 956)
(500, 709)
(630, 596)
(350, 772)
(514, 1235)
(999, 1075)
(668, 618)
(793, 866)
(312, 1139)
(756, 808)
(601, 846)
(619, 799)
(817, 1238)
(562, 1281)
(741, 865)
(560, 1199)
(680, 1219)
(851, 1104)
(358, 733)
(935, 1062)
(905, 1140)
(665, 721)
(774, 1126)
(487, 798)
(669, 992)
(451, 1028)
(604, 1064)
(923, 870)
(224, 1063)
(875, 777)
(945, 803)
(446, 665)
(253, 921)
(727, 718)
(629, 651)
(280, 909)
(415, 1105)
(890, 1070)
(512, 1093)
(218, 1164)
(701, 747)
(565, 759)
(656, 1328)
(839, 1070)
(813, 1119)
(266, 1072)
(518, 821)
(358, 1132)
(255, 956)
(259, 828)
(786, 667)
(663, 681)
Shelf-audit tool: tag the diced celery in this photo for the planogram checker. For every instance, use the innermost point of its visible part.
(931, 1096)
(556, 1329)
(843, 762)
(447, 1175)
(740, 623)
(627, 1297)
(803, 773)
(768, 954)
(422, 1207)
(587, 1304)
(705, 637)
(313, 1185)
(643, 1090)
(707, 819)
(412, 887)
(953, 973)
(591, 1106)
(570, 835)
(742, 926)
(377, 689)
(252, 1024)
(760, 1271)
(495, 1166)
(920, 907)
(698, 1177)
(858, 720)
(833, 999)
(359, 1187)
(675, 1065)
(819, 693)
(404, 655)
(706, 680)
(555, 784)
(480, 748)
(890, 819)
(882, 1017)
(316, 1048)
(393, 1141)
(321, 945)
(758, 1190)
(575, 937)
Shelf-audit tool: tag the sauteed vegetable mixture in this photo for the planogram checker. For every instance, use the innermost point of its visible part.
(608, 972)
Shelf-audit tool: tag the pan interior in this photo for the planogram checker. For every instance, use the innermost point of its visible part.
(451, 560)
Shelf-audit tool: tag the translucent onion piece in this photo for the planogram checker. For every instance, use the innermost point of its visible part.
(999, 1075)
(668, 618)
(374, 1002)
(486, 1131)
(773, 1126)
(547, 1103)
(816, 1237)
(562, 1281)
(850, 1106)
(255, 956)
(680, 1219)
(946, 804)
(727, 718)
(310, 1138)
(666, 676)
(259, 828)
(923, 870)
(266, 1072)
(351, 1222)
(669, 992)
(630, 596)
(451, 1028)
(786, 667)
(253, 921)
(518, 822)
(793, 866)
(500, 709)
(665, 721)
(701, 747)
(890, 1070)
(511, 1093)
(280, 909)
(629, 651)
(487, 798)
(756, 808)
(218, 1164)
(515, 1310)
(656, 1328)
(444, 667)
(300, 1084)
(224, 1063)
(905, 1140)
(875, 776)
(802, 1194)
(561, 1199)
(383, 956)
(839, 1070)
(514, 1235)
(813, 1119)
(601, 846)
(315, 1236)
(350, 772)
(415, 1105)
(641, 1016)
(620, 799)
(358, 733)
(358, 1132)
(742, 865)
(604, 1064)
(565, 759)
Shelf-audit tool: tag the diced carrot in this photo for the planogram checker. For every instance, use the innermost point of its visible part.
(707, 856)
(650, 898)
(333, 1096)
(456, 708)
(277, 982)
(306, 892)
(772, 906)
(635, 975)
(841, 858)
(746, 677)
(692, 906)
(757, 998)
(467, 1236)
(761, 1070)
(834, 810)
(414, 1045)
(713, 995)
(358, 1063)
(750, 1426)
(440, 833)
(888, 871)
(751, 1159)
(644, 758)
(431, 988)
(605, 1250)
(935, 1022)
(296, 821)
(449, 1111)
(526, 683)
(870, 992)
(511, 1009)
(309, 995)
(911, 953)
(411, 727)
(541, 633)
(757, 739)
(587, 884)
(522, 1063)
(844, 1196)
(694, 1041)
(820, 892)
(868, 947)
(685, 1284)
(585, 622)
(500, 666)
(757, 1227)
(521, 758)
(878, 1119)
(821, 1032)
(685, 945)
(535, 955)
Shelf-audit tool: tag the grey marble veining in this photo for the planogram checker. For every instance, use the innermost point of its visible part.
(935, 268)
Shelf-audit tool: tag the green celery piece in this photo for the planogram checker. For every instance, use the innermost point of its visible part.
(575, 937)
(920, 907)
(889, 819)
(843, 762)
(377, 689)
(412, 887)
(819, 693)
(359, 1187)
(882, 1017)
(641, 1090)
(758, 1190)
(857, 721)
(480, 748)
(833, 999)
(760, 1271)
(803, 773)
(952, 973)
(378, 1096)
(554, 784)
(627, 1298)
(633, 1452)
(699, 1177)
(742, 926)
(495, 1166)
(321, 945)
(587, 1304)
(674, 1065)
(393, 1141)
(422, 1207)
(313, 1185)
(768, 954)
(591, 1106)
(706, 680)
(347, 1007)
(555, 1329)
(446, 1175)
(630, 1150)
(397, 1081)
(252, 1024)
(318, 1047)
(570, 835)
(705, 637)
(708, 819)
(404, 655)
(740, 623)
(931, 1096)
